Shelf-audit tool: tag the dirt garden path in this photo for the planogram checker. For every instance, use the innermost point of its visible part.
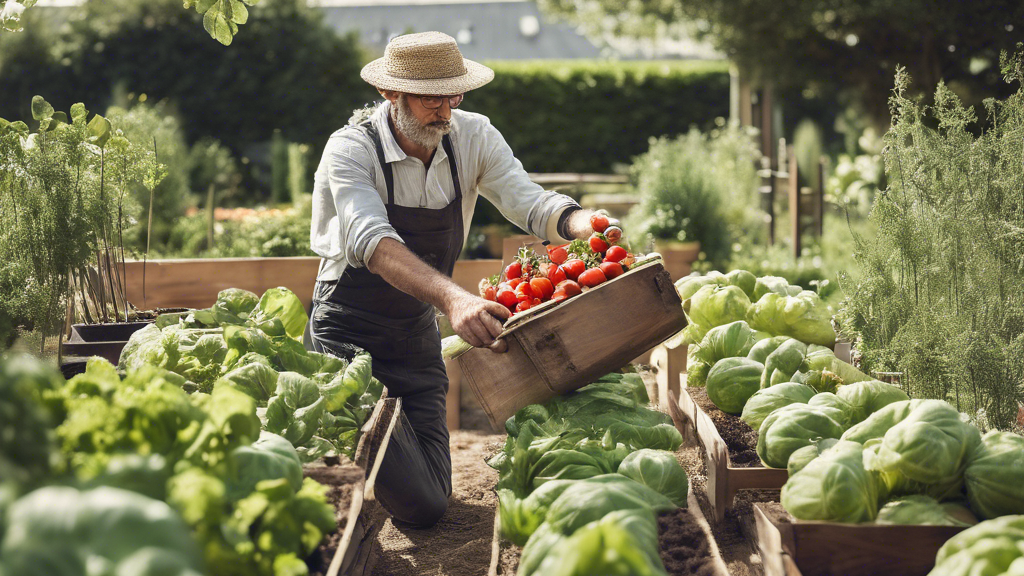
(460, 544)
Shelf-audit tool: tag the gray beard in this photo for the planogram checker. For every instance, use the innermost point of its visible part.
(426, 135)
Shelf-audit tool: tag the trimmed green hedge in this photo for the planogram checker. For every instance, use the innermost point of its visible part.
(584, 116)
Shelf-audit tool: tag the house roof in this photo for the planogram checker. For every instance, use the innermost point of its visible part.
(484, 29)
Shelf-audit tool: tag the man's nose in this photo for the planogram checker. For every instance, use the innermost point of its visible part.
(445, 111)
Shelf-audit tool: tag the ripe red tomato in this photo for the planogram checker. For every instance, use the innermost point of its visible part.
(556, 275)
(507, 298)
(559, 295)
(611, 269)
(513, 270)
(525, 292)
(514, 282)
(536, 301)
(613, 234)
(615, 254)
(523, 306)
(542, 288)
(558, 254)
(573, 267)
(598, 222)
(598, 244)
(490, 293)
(592, 277)
(569, 287)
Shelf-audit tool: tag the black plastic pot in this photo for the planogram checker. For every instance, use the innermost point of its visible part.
(104, 340)
(115, 332)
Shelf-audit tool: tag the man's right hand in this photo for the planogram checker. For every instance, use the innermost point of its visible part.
(475, 320)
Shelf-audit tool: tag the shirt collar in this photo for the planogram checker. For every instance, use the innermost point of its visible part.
(392, 151)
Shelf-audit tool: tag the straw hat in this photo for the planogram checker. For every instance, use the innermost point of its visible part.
(425, 63)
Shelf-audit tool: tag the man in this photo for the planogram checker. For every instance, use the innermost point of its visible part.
(392, 202)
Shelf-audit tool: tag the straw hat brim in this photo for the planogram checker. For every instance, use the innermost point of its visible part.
(476, 76)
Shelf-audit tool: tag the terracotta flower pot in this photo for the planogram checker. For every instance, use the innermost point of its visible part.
(678, 256)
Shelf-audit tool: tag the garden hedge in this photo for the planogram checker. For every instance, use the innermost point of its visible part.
(585, 116)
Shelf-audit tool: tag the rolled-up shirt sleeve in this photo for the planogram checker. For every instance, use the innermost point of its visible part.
(349, 217)
(506, 184)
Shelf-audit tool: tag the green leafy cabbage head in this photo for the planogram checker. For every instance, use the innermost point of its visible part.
(992, 547)
(927, 452)
(767, 400)
(871, 396)
(923, 510)
(732, 381)
(715, 305)
(834, 487)
(803, 316)
(879, 422)
(725, 341)
(593, 498)
(773, 284)
(801, 458)
(792, 427)
(743, 280)
(846, 414)
(658, 470)
(233, 306)
(995, 476)
(783, 363)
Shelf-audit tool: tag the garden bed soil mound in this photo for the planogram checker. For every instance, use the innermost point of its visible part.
(460, 544)
(341, 483)
(684, 545)
(739, 437)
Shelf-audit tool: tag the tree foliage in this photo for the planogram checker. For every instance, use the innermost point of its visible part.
(941, 294)
(824, 44)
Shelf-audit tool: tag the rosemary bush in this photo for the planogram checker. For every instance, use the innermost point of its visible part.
(64, 203)
(940, 296)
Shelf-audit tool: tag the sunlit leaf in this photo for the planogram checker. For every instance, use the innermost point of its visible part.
(41, 109)
(218, 25)
(99, 131)
(78, 111)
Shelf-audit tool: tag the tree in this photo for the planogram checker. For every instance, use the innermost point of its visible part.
(220, 17)
(847, 46)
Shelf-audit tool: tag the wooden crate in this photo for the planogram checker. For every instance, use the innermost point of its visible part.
(794, 548)
(359, 549)
(560, 348)
(724, 480)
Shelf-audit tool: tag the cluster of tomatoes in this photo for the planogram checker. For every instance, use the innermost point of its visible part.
(567, 271)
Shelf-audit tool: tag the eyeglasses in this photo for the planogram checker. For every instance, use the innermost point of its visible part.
(434, 102)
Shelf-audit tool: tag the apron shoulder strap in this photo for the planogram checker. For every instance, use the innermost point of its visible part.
(446, 142)
(389, 176)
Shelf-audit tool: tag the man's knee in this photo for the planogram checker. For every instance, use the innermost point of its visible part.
(425, 513)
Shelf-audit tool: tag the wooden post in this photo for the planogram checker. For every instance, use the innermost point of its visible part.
(819, 199)
(794, 201)
(768, 149)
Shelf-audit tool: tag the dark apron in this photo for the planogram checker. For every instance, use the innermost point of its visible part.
(361, 310)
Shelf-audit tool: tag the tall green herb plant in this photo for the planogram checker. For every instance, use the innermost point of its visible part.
(64, 205)
(941, 297)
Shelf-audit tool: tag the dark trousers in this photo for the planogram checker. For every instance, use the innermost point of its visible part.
(415, 477)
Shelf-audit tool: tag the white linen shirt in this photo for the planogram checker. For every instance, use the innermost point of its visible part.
(349, 192)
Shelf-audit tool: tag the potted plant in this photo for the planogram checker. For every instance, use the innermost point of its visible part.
(64, 204)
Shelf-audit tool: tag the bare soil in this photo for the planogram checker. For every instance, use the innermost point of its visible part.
(341, 482)
(739, 437)
(684, 546)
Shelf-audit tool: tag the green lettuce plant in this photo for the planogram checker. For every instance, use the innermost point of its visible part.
(921, 510)
(102, 530)
(802, 316)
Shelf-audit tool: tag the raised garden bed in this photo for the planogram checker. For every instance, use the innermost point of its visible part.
(353, 549)
(791, 547)
(684, 538)
(732, 464)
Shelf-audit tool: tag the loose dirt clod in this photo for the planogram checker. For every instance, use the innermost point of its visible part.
(739, 437)
(684, 545)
